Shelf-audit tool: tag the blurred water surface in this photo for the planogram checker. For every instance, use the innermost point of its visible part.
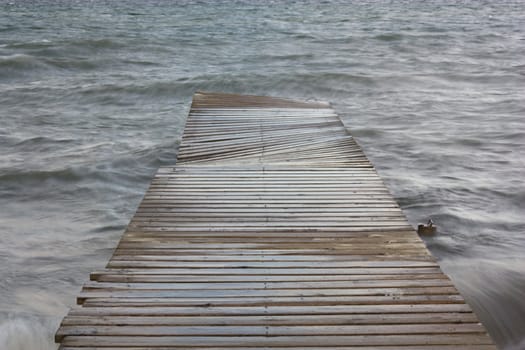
(94, 94)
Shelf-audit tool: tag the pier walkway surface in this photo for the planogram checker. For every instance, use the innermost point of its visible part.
(272, 231)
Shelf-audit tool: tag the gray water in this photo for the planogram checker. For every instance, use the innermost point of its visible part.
(94, 94)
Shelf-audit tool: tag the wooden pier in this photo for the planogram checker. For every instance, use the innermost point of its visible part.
(272, 231)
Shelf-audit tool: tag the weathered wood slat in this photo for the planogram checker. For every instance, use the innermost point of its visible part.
(403, 347)
(274, 232)
(172, 310)
(276, 320)
(114, 276)
(276, 341)
(468, 329)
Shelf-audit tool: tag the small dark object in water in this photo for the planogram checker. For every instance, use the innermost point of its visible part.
(428, 229)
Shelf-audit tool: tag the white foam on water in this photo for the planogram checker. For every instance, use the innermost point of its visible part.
(26, 334)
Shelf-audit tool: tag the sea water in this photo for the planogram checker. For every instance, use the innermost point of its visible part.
(94, 95)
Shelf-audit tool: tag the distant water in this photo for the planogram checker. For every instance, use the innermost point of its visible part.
(94, 94)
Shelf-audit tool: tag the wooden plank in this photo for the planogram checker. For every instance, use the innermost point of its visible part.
(161, 298)
(273, 231)
(209, 310)
(275, 320)
(111, 276)
(269, 331)
(278, 341)
(403, 347)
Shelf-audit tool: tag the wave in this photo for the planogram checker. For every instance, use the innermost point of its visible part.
(30, 45)
(38, 141)
(45, 55)
(285, 56)
(92, 44)
(389, 37)
(24, 65)
(506, 283)
(61, 47)
(366, 132)
(142, 159)
(26, 334)
(319, 85)
(64, 175)
(19, 61)
(9, 28)
(83, 64)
